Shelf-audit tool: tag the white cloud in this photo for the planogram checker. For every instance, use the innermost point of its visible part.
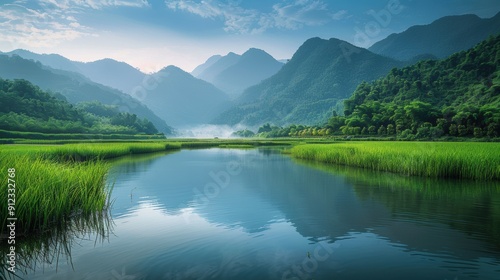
(47, 23)
(342, 14)
(284, 15)
(93, 4)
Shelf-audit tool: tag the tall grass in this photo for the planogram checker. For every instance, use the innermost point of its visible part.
(55, 183)
(477, 161)
(49, 193)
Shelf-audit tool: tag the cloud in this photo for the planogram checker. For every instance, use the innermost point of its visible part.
(342, 14)
(47, 23)
(93, 4)
(284, 15)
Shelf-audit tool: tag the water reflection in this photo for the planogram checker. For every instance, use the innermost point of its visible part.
(249, 214)
(50, 250)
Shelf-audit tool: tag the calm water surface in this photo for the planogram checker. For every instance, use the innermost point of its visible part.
(256, 214)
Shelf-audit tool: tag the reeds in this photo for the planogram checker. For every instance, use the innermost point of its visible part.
(54, 183)
(477, 161)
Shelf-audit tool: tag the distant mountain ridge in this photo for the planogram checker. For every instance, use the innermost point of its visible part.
(440, 38)
(184, 100)
(315, 81)
(234, 73)
(108, 72)
(202, 67)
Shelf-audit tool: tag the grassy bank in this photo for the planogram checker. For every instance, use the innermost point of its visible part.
(54, 183)
(477, 161)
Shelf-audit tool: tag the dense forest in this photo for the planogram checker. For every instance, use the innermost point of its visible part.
(455, 97)
(25, 107)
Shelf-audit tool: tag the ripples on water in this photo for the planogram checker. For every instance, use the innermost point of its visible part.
(186, 216)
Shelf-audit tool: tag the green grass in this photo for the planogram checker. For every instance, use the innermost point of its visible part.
(477, 161)
(57, 182)
(49, 193)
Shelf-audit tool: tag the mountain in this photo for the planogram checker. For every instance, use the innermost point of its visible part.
(202, 67)
(251, 68)
(52, 60)
(221, 64)
(315, 81)
(234, 73)
(457, 96)
(441, 38)
(75, 87)
(184, 100)
(108, 72)
(112, 73)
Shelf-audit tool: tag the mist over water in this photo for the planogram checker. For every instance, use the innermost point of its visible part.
(208, 131)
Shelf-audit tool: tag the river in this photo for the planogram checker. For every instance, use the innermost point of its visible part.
(258, 214)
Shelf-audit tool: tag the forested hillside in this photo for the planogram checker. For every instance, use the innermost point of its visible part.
(75, 87)
(455, 97)
(458, 96)
(25, 107)
(320, 75)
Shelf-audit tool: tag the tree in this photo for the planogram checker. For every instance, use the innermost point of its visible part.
(372, 130)
(390, 129)
(453, 130)
(382, 130)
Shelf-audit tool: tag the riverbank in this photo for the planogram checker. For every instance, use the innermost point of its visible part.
(55, 182)
(476, 161)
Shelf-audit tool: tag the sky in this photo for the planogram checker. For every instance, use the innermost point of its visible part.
(152, 34)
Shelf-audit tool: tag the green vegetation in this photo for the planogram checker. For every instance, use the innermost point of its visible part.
(243, 133)
(458, 96)
(26, 108)
(75, 88)
(320, 75)
(451, 99)
(425, 197)
(57, 182)
(478, 161)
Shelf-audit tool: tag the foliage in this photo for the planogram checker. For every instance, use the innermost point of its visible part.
(75, 88)
(458, 96)
(243, 133)
(25, 107)
(478, 161)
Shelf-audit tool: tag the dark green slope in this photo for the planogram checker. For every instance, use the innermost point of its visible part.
(24, 107)
(314, 82)
(75, 87)
(441, 38)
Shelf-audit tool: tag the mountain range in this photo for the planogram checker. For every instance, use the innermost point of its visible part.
(234, 73)
(320, 75)
(108, 72)
(441, 38)
(252, 88)
(75, 87)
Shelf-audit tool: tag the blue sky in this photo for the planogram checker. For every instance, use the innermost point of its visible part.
(151, 34)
